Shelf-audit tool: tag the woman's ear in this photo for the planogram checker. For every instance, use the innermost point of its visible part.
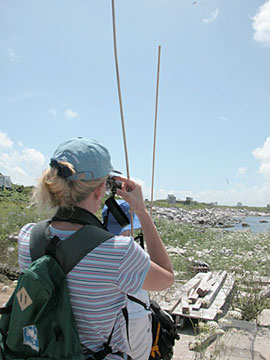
(99, 191)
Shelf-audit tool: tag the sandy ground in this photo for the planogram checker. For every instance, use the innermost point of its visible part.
(181, 350)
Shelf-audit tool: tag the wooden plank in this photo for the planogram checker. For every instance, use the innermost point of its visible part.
(205, 284)
(185, 304)
(192, 284)
(209, 298)
(211, 312)
(175, 305)
(194, 296)
(197, 305)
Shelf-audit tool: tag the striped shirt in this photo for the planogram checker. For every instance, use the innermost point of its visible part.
(98, 285)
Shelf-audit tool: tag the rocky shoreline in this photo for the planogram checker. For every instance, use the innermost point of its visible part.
(212, 217)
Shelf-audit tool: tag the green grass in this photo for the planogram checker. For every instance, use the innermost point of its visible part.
(240, 251)
(15, 212)
(222, 250)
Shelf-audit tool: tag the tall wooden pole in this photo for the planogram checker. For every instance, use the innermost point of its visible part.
(155, 131)
(121, 104)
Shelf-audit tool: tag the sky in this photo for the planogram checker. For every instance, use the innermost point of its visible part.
(58, 81)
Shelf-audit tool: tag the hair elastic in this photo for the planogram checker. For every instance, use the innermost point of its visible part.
(62, 170)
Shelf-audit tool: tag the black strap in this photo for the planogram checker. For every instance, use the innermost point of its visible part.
(71, 250)
(140, 238)
(99, 355)
(125, 314)
(132, 298)
(5, 309)
(77, 215)
(117, 212)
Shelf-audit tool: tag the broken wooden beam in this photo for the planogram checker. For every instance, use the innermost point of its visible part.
(192, 284)
(194, 296)
(205, 284)
(209, 298)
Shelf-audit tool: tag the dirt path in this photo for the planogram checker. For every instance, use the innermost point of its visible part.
(181, 348)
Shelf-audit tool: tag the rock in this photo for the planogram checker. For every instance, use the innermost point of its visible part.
(13, 237)
(14, 284)
(265, 293)
(245, 224)
(264, 318)
(235, 314)
(10, 249)
(214, 217)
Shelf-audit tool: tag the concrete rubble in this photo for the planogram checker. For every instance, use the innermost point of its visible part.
(214, 217)
(238, 340)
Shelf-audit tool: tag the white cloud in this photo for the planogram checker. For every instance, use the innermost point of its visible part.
(250, 196)
(223, 118)
(241, 171)
(263, 155)
(212, 17)
(261, 24)
(32, 156)
(13, 57)
(5, 141)
(24, 165)
(265, 170)
(70, 114)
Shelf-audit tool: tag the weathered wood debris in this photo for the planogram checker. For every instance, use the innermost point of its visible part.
(204, 295)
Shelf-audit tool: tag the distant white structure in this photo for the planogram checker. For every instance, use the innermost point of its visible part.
(171, 199)
(5, 182)
(239, 204)
(189, 200)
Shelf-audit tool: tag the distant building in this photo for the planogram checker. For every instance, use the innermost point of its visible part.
(5, 182)
(189, 200)
(171, 199)
(239, 204)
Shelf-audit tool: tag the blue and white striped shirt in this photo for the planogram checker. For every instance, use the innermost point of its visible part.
(98, 285)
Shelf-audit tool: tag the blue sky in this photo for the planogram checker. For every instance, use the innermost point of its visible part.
(58, 80)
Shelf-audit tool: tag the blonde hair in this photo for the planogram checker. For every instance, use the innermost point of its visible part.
(53, 191)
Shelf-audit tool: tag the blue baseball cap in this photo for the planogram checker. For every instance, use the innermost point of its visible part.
(113, 226)
(90, 159)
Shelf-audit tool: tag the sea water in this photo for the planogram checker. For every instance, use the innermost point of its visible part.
(255, 224)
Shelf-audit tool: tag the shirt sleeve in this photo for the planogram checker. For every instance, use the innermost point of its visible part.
(133, 268)
(24, 257)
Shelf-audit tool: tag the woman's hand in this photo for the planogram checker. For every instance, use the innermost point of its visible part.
(160, 275)
(132, 193)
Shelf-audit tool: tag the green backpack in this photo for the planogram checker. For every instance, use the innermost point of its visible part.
(37, 321)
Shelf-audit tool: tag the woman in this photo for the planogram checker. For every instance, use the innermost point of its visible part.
(98, 284)
(139, 319)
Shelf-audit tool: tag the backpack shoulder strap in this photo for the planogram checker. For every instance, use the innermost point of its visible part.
(39, 239)
(134, 299)
(69, 251)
